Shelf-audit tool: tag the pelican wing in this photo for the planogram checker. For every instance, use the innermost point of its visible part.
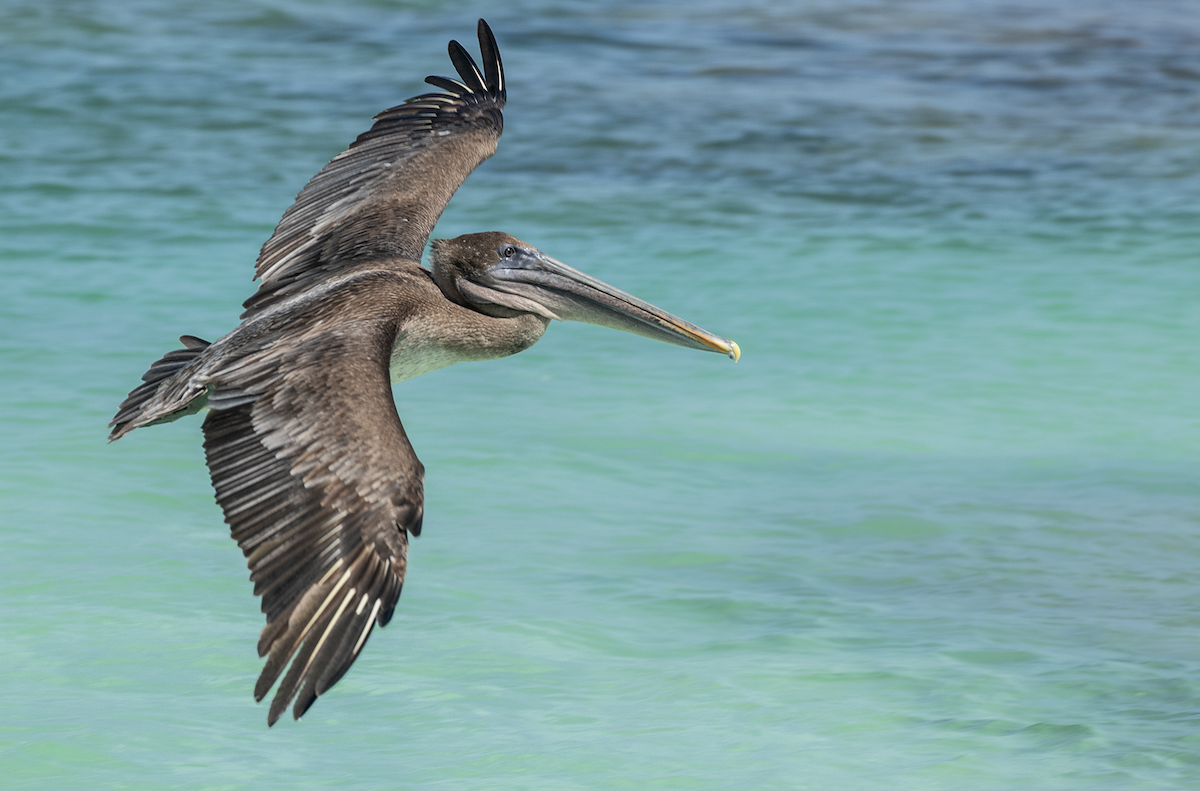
(320, 488)
(381, 197)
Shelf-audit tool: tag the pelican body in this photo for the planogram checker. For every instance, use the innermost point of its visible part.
(311, 466)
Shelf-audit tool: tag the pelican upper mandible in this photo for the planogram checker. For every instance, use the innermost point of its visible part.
(311, 466)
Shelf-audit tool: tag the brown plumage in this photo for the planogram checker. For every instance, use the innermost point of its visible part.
(310, 463)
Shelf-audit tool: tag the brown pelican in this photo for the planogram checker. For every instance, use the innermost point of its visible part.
(311, 466)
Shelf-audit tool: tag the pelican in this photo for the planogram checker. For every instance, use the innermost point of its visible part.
(311, 466)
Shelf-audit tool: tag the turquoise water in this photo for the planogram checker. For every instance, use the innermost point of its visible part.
(936, 530)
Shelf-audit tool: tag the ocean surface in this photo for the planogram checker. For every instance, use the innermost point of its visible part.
(938, 529)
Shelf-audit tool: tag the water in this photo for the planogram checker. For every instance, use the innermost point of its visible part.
(937, 530)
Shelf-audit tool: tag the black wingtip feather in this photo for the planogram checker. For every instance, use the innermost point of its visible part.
(493, 67)
(445, 83)
(489, 82)
(465, 65)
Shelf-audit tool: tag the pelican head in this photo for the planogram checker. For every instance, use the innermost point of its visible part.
(500, 275)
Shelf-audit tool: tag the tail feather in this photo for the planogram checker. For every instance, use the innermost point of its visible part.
(148, 403)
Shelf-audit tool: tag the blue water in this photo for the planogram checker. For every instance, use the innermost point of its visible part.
(936, 530)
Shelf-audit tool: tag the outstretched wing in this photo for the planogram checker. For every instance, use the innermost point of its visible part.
(382, 196)
(320, 488)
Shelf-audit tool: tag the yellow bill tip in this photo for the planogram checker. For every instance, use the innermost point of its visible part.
(735, 352)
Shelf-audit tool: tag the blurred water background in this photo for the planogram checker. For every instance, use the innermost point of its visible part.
(937, 530)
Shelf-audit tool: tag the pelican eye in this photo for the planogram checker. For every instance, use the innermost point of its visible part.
(509, 251)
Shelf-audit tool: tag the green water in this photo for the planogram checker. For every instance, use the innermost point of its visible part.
(936, 530)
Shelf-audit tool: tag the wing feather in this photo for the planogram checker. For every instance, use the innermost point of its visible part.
(320, 488)
(382, 196)
(464, 64)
